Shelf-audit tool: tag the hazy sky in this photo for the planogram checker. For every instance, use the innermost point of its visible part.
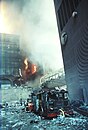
(35, 22)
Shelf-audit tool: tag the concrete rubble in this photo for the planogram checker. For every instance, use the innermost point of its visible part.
(14, 118)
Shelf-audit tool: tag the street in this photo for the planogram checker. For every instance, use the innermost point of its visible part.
(14, 117)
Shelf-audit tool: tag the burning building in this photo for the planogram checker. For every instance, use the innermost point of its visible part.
(72, 21)
(13, 65)
(30, 70)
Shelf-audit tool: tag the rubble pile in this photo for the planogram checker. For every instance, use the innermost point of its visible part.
(14, 117)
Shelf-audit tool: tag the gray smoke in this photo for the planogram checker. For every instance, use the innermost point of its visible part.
(35, 22)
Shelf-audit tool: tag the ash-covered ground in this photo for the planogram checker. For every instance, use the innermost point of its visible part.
(14, 117)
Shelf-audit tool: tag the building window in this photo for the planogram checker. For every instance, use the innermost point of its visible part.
(65, 11)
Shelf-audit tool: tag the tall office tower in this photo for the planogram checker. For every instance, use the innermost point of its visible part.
(10, 58)
(72, 21)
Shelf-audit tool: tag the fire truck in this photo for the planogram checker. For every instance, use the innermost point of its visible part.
(50, 103)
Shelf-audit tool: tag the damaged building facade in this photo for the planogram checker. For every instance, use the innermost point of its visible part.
(12, 62)
(72, 21)
(10, 58)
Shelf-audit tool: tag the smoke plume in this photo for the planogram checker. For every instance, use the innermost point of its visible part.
(35, 22)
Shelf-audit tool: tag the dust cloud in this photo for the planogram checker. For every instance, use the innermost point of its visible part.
(35, 23)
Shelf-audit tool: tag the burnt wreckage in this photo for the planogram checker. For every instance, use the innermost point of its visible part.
(49, 102)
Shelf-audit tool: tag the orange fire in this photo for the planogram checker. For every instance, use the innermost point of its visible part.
(26, 63)
(34, 68)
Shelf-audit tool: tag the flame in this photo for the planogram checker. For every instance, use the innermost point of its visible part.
(34, 68)
(26, 63)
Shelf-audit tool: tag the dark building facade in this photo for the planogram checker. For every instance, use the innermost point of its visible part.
(72, 21)
(10, 58)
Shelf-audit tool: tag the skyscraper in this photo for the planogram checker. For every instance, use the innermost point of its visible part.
(10, 58)
(72, 21)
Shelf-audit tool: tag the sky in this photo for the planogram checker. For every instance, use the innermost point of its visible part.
(35, 23)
